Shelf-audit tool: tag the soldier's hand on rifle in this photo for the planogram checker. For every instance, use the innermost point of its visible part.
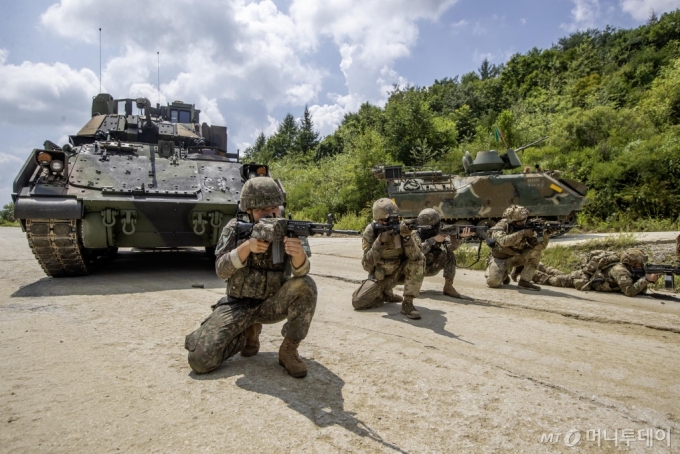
(257, 246)
(404, 230)
(466, 233)
(652, 277)
(439, 238)
(528, 233)
(293, 246)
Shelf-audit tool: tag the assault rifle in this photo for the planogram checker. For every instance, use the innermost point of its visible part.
(668, 270)
(273, 230)
(540, 226)
(429, 231)
(393, 226)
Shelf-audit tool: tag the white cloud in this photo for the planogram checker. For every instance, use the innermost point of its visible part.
(460, 24)
(479, 57)
(522, 21)
(369, 36)
(42, 94)
(584, 15)
(243, 55)
(641, 9)
(327, 118)
(6, 158)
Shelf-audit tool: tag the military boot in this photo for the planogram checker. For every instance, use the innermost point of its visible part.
(252, 334)
(449, 290)
(516, 272)
(392, 298)
(408, 310)
(506, 280)
(527, 285)
(289, 358)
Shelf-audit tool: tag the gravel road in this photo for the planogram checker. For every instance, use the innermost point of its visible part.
(97, 364)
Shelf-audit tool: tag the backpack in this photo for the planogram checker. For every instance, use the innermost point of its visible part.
(598, 260)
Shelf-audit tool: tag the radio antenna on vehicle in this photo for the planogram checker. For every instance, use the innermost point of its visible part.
(100, 59)
(158, 54)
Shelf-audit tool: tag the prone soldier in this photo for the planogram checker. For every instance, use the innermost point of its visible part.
(439, 250)
(258, 290)
(514, 246)
(392, 255)
(603, 272)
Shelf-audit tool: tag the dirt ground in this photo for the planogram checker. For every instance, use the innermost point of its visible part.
(97, 364)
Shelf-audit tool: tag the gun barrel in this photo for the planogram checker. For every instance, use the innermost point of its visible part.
(346, 232)
(524, 147)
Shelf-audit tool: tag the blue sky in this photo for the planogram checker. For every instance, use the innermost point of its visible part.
(245, 64)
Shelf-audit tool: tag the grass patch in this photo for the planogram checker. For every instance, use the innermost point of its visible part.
(351, 221)
(467, 254)
(622, 223)
(9, 224)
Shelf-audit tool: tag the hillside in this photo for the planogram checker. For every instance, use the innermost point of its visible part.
(608, 99)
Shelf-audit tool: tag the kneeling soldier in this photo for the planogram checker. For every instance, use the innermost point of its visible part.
(392, 256)
(514, 247)
(438, 251)
(258, 290)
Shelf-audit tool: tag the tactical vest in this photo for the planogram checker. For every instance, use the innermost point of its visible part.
(260, 278)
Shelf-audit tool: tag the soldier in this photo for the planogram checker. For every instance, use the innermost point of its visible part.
(615, 276)
(390, 259)
(438, 251)
(514, 248)
(258, 291)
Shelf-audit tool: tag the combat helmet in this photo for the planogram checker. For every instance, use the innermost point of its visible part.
(515, 213)
(384, 208)
(633, 257)
(260, 192)
(429, 216)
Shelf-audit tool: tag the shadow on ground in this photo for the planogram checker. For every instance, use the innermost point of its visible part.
(430, 318)
(133, 272)
(318, 397)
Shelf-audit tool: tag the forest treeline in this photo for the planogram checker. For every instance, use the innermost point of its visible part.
(609, 100)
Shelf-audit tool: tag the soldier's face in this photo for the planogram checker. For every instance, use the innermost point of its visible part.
(265, 212)
(520, 223)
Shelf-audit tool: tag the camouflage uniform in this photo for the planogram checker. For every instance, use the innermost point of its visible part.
(397, 259)
(258, 291)
(513, 250)
(616, 277)
(390, 265)
(440, 256)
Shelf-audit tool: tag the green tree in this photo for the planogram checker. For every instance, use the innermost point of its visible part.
(7, 213)
(284, 141)
(307, 137)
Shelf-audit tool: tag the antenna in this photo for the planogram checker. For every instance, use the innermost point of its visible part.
(158, 54)
(100, 59)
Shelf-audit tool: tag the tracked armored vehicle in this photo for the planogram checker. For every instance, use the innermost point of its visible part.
(133, 176)
(481, 196)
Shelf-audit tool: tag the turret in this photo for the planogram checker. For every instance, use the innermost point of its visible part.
(491, 162)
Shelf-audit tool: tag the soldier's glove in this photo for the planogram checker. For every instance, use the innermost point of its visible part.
(532, 241)
(528, 233)
(404, 230)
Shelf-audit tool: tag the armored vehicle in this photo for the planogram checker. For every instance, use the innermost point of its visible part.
(481, 196)
(133, 176)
